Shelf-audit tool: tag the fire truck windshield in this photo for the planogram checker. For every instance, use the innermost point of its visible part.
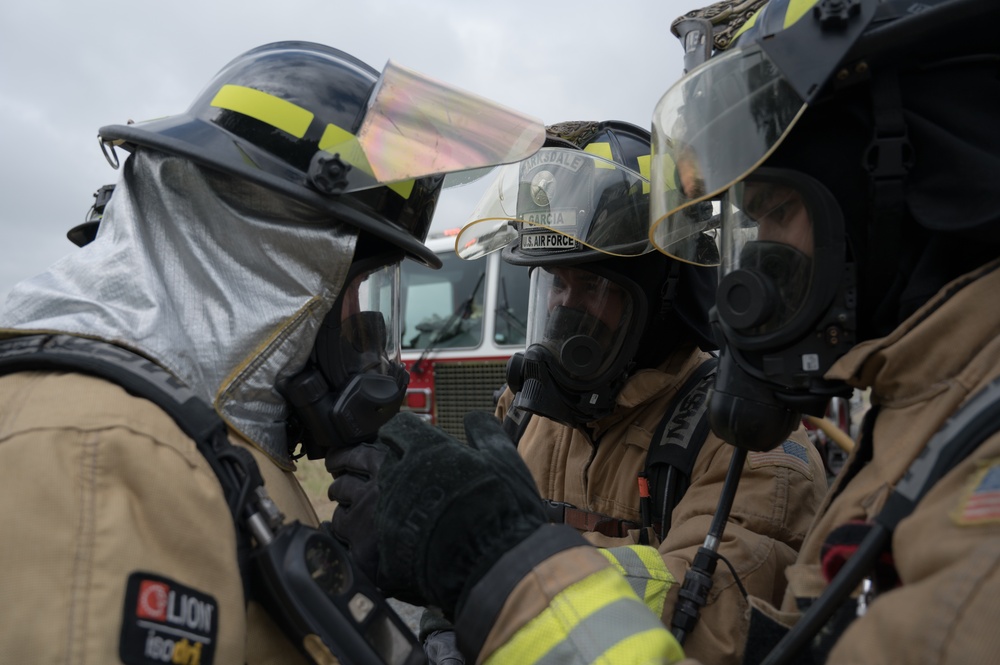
(444, 309)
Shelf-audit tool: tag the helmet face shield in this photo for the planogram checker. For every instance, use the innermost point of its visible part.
(709, 130)
(581, 318)
(417, 126)
(726, 116)
(561, 198)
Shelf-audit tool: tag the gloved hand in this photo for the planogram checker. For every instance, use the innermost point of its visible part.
(446, 511)
(355, 489)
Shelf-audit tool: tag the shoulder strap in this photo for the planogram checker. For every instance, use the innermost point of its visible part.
(235, 467)
(676, 443)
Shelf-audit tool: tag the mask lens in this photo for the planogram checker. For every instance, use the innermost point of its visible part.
(579, 317)
(767, 262)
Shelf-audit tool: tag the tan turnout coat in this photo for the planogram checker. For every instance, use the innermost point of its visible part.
(96, 484)
(947, 552)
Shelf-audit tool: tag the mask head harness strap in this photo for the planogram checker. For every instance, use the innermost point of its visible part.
(888, 159)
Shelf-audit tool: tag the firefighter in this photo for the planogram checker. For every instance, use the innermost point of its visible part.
(853, 151)
(595, 424)
(250, 249)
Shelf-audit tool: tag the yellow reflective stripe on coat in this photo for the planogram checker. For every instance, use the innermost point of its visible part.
(645, 572)
(597, 620)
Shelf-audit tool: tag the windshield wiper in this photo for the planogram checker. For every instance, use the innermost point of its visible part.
(444, 333)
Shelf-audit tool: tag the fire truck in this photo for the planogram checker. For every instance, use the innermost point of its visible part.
(460, 324)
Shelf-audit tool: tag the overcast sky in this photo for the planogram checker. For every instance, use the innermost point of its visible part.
(68, 67)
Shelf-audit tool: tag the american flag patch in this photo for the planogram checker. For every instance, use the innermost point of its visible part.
(981, 502)
(790, 455)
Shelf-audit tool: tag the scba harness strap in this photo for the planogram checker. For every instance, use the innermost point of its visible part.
(676, 445)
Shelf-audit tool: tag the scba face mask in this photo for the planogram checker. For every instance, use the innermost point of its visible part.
(581, 338)
(355, 381)
(785, 305)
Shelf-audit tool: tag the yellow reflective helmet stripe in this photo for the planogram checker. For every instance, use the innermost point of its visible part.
(403, 187)
(591, 619)
(601, 149)
(295, 120)
(644, 171)
(338, 140)
(643, 568)
(746, 26)
(796, 10)
(267, 108)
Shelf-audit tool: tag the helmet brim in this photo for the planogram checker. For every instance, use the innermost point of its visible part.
(194, 139)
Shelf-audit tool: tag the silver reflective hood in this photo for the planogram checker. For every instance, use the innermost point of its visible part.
(222, 282)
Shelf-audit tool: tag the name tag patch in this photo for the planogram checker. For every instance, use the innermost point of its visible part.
(531, 241)
(552, 219)
(166, 622)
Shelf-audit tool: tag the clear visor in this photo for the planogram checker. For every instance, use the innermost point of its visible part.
(369, 328)
(768, 248)
(559, 197)
(417, 126)
(713, 127)
(581, 318)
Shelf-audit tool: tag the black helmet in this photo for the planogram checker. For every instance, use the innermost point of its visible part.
(321, 127)
(851, 149)
(635, 305)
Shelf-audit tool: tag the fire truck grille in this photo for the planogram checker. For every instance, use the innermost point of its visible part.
(463, 387)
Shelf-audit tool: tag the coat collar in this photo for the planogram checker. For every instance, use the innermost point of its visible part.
(911, 364)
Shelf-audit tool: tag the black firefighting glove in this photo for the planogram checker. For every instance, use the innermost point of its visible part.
(355, 489)
(447, 511)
